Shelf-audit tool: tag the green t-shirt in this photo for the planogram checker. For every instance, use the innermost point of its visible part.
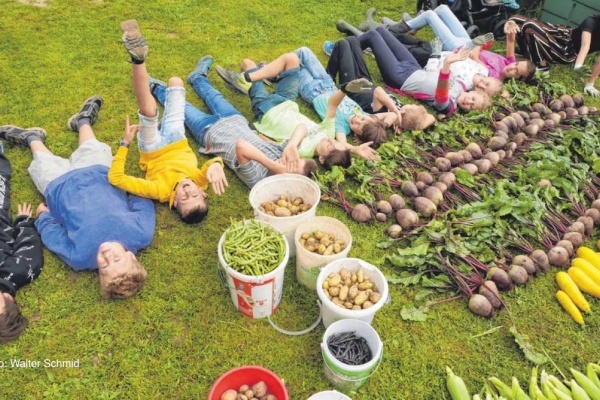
(324, 130)
(280, 122)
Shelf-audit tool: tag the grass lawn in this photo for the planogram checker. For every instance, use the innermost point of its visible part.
(177, 336)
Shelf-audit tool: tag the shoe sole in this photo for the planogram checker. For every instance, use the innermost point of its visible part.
(222, 72)
(131, 32)
(41, 131)
(90, 99)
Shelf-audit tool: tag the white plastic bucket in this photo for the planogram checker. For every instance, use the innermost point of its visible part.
(292, 185)
(332, 312)
(329, 395)
(351, 377)
(255, 296)
(308, 265)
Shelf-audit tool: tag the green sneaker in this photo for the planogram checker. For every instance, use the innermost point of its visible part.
(234, 80)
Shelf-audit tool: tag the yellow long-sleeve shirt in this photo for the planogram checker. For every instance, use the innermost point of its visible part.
(164, 169)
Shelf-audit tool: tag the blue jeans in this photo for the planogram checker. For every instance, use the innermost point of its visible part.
(445, 25)
(314, 79)
(287, 89)
(197, 121)
(154, 136)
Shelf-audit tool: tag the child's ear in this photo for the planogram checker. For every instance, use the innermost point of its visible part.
(322, 159)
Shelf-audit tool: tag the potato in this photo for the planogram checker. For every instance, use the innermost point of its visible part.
(347, 282)
(311, 241)
(344, 293)
(260, 389)
(367, 304)
(368, 292)
(356, 308)
(365, 285)
(329, 250)
(282, 203)
(270, 213)
(337, 248)
(352, 292)
(241, 397)
(374, 297)
(319, 235)
(354, 278)
(282, 212)
(344, 274)
(262, 209)
(321, 249)
(334, 291)
(326, 284)
(305, 207)
(326, 293)
(249, 393)
(295, 210)
(335, 280)
(284, 197)
(298, 201)
(229, 395)
(325, 241)
(360, 298)
(270, 397)
(348, 305)
(360, 275)
(243, 388)
(310, 248)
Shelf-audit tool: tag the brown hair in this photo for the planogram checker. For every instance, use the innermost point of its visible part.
(125, 285)
(530, 71)
(341, 158)
(375, 131)
(12, 322)
(310, 167)
(415, 119)
(195, 215)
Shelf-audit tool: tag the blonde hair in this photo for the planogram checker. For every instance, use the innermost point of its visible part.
(415, 119)
(486, 101)
(124, 285)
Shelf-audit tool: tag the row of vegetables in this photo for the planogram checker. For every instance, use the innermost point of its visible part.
(483, 202)
(547, 387)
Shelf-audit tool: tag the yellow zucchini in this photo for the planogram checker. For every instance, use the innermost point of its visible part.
(567, 285)
(583, 282)
(566, 302)
(587, 269)
(590, 255)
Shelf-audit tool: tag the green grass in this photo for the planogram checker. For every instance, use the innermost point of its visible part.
(177, 336)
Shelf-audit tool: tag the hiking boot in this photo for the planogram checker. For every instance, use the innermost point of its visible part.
(388, 21)
(202, 68)
(328, 47)
(18, 136)
(406, 17)
(234, 80)
(344, 27)
(134, 42)
(369, 23)
(482, 40)
(89, 109)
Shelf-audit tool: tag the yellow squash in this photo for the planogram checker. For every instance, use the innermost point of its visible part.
(587, 268)
(583, 282)
(567, 285)
(566, 302)
(590, 255)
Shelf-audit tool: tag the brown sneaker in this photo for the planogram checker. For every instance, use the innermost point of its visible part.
(134, 41)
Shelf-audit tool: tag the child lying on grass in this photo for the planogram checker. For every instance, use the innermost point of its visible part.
(86, 221)
(226, 133)
(171, 167)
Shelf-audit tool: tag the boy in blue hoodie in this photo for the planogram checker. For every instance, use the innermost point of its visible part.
(88, 222)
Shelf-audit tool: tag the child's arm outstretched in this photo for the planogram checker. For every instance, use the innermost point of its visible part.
(117, 176)
(442, 92)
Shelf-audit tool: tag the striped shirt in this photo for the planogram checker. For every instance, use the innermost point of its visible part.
(221, 138)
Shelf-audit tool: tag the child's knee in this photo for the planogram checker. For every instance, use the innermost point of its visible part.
(248, 64)
(292, 60)
(440, 9)
(175, 81)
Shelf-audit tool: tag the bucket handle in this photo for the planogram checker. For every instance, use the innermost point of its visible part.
(302, 332)
(345, 378)
(221, 272)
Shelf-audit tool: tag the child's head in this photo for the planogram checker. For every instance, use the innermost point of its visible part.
(307, 167)
(332, 152)
(190, 201)
(475, 100)
(368, 128)
(121, 275)
(12, 323)
(522, 70)
(490, 86)
(415, 118)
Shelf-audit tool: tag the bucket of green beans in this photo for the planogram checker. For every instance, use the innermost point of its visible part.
(253, 255)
